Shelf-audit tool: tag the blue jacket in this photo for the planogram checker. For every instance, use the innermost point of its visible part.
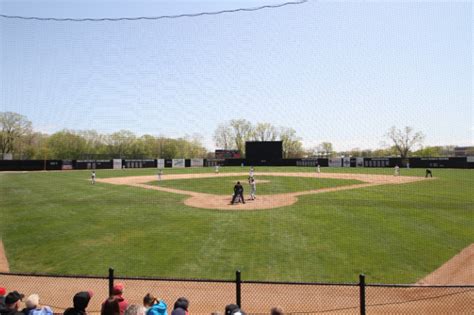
(158, 309)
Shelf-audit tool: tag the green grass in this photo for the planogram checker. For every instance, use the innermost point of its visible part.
(58, 222)
(275, 184)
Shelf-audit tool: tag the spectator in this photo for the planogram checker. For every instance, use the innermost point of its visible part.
(33, 307)
(135, 309)
(181, 307)
(277, 311)
(3, 291)
(110, 306)
(80, 302)
(12, 304)
(233, 309)
(157, 308)
(148, 301)
(118, 294)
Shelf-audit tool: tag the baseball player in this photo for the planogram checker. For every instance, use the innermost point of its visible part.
(216, 169)
(160, 172)
(93, 177)
(428, 173)
(251, 172)
(397, 170)
(318, 169)
(253, 188)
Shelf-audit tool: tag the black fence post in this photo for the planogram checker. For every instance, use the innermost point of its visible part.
(238, 282)
(362, 293)
(111, 281)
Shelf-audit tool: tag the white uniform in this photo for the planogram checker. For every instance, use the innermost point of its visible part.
(160, 172)
(251, 172)
(318, 169)
(93, 178)
(217, 169)
(397, 170)
(253, 189)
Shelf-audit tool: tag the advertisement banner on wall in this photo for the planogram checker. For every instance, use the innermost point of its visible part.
(197, 162)
(160, 163)
(117, 164)
(335, 162)
(346, 162)
(178, 163)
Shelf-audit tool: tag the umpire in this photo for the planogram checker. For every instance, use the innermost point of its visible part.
(238, 192)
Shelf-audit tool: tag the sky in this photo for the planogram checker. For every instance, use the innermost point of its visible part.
(337, 71)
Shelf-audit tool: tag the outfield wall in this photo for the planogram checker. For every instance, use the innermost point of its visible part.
(414, 162)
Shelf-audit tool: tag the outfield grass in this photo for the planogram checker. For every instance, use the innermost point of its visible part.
(58, 222)
(271, 185)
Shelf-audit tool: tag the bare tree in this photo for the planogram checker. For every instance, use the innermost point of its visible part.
(292, 146)
(405, 139)
(326, 149)
(241, 132)
(13, 127)
(223, 137)
(265, 132)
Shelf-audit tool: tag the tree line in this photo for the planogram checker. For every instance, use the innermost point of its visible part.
(18, 138)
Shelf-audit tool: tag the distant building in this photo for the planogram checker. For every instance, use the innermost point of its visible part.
(463, 151)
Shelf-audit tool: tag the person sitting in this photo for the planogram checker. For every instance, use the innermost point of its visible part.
(158, 307)
(80, 302)
(135, 309)
(12, 304)
(181, 307)
(118, 294)
(33, 306)
(277, 311)
(110, 306)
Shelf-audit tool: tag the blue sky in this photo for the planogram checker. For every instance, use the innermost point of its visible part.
(336, 71)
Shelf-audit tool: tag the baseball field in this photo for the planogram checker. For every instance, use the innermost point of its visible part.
(303, 226)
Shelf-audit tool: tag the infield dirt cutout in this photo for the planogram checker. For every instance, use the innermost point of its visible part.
(222, 202)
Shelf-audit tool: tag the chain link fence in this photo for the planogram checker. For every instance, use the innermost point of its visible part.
(255, 297)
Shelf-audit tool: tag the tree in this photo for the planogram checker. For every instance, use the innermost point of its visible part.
(223, 137)
(13, 127)
(120, 143)
(66, 144)
(292, 146)
(265, 132)
(241, 133)
(404, 140)
(326, 149)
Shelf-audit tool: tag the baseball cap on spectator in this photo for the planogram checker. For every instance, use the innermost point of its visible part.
(81, 299)
(3, 291)
(118, 288)
(13, 297)
(32, 301)
(231, 309)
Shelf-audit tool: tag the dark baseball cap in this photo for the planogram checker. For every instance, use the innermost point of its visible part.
(13, 297)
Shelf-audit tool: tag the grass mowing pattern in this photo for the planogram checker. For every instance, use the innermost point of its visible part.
(276, 184)
(58, 222)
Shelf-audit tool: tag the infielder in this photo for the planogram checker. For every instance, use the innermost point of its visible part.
(251, 172)
(318, 169)
(397, 170)
(93, 177)
(428, 173)
(216, 168)
(160, 172)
